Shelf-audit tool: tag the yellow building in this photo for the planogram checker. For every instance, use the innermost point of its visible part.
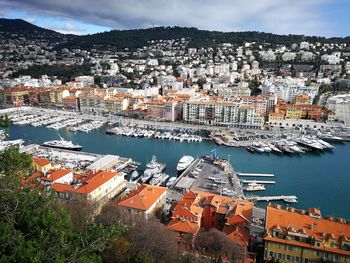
(302, 99)
(41, 165)
(294, 113)
(304, 236)
(276, 116)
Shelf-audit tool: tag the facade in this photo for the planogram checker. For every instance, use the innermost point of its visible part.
(116, 104)
(304, 236)
(164, 110)
(71, 102)
(205, 210)
(145, 200)
(221, 113)
(94, 187)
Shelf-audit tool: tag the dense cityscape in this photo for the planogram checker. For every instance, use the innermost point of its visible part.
(174, 110)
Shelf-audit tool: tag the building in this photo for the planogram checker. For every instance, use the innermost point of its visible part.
(340, 105)
(95, 188)
(71, 103)
(116, 104)
(304, 236)
(164, 110)
(41, 165)
(221, 113)
(205, 210)
(145, 200)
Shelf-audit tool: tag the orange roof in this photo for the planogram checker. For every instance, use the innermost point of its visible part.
(143, 198)
(41, 161)
(55, 175)
(57, 187)
(184, 226)
(238, 234)
(292, 220)
(96, 181)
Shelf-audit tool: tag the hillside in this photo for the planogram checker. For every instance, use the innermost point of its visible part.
(136, 38)
(15, 28)
(198, 38)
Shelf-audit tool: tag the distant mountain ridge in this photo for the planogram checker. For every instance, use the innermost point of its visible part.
(22, 28)
(137, 38)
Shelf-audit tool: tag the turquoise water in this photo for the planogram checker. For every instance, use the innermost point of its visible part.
(319, 180)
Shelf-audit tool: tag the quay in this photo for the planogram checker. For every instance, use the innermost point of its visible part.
(257, 181)
(272, 198)
(255, 175)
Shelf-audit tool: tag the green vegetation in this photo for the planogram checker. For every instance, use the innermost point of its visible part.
(138, 38)
(5, 123)
(63, 72)
(36, 227)
(254, 87)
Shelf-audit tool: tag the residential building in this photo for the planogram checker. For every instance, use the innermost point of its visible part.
(145, 200)
(205, 210)
(304, 236)
(221, 113)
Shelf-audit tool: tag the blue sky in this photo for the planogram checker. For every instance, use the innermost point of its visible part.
(309, 17)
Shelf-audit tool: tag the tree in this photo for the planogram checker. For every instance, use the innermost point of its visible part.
(5, 123)
(254, 87)
(34, 228)
(147, 240)
(217, 245)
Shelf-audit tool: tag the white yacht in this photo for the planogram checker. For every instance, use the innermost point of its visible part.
(184, 162)
(63, 144)
(153, 164)
(254, 187)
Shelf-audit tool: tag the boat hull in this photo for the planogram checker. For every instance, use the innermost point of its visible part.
(77, 149)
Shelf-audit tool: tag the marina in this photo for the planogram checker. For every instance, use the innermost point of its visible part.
(257, 181)
(297, 174)
(286, 198)
(255, 175)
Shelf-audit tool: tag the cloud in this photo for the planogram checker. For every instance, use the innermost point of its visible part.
(66, 28)
(31, 20)
(278, 16)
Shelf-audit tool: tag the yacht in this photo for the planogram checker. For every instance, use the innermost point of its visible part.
(134, 175)
(148, 174)
(155, 179)
(255, 187)
(310, 143)
(273, 148)
(290, 200)
(63, 144)
(154, 165)
(184, 162)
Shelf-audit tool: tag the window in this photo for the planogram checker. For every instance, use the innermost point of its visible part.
(288, 257)
(289, 248)
(297, 259)
(271, 254)
(279, 255)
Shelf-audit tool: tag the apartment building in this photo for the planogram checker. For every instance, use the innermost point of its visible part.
(304, 236)
(203, 210)
(145, 200)
(221, 113)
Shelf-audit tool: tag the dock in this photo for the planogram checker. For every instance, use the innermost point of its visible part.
(255, 175)
(257, 181)
(272, 198)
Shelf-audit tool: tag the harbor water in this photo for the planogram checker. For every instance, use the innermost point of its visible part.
(320, 180)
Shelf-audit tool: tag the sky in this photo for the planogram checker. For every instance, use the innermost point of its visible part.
(328, 18)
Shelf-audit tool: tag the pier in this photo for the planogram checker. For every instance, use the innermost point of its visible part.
(255, 175)
(257, 181)
(285, 198)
